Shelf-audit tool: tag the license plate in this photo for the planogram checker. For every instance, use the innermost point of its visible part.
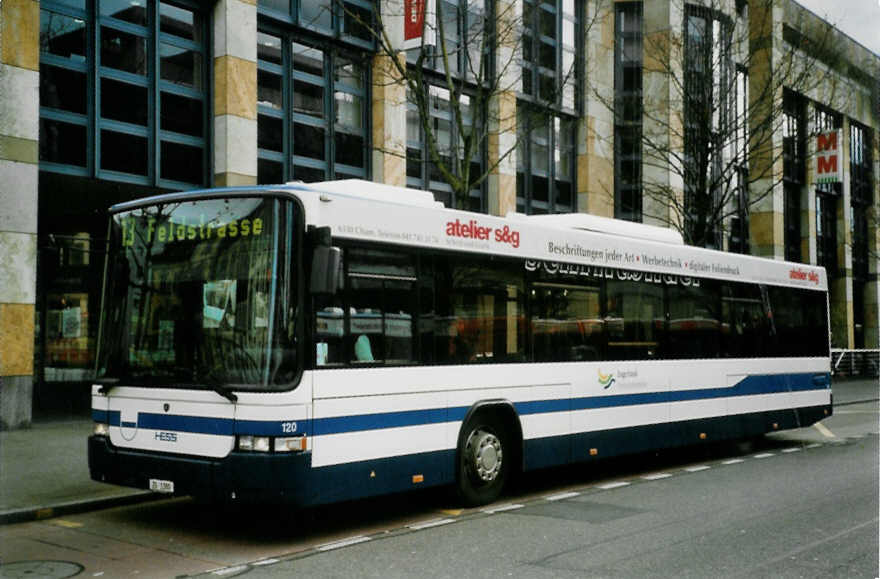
(161, 486)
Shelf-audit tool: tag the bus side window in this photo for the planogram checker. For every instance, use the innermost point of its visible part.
(381, 306)
(480, 312)
(745, 327)
(566, 323)
(800, 319)
(329, 331)
(693, 324)
(634, 319)
(365, 310)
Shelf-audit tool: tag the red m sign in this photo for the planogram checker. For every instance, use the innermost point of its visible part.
(825, 165)
(827, 142)
(828, 165)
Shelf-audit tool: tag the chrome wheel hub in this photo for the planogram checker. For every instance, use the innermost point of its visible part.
(484, 450)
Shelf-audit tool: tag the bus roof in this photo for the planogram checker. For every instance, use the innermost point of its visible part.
(368, 211)
(375, 212)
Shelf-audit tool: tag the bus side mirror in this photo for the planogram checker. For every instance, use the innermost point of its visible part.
(326, 267)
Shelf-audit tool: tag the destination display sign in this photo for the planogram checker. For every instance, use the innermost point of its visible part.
(167, 230)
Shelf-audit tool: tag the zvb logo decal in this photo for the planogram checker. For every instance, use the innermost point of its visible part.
(606, 380)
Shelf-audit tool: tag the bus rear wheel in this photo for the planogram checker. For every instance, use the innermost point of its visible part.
(483, 460)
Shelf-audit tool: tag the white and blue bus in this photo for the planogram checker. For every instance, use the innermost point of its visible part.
(324, 342)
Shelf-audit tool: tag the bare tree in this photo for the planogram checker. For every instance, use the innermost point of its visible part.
(711, 115)
(469, 56)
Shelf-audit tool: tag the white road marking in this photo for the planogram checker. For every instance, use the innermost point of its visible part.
(697, 468)
(431, 523)
(733, 461)
(658, 476)
(502, 508)
(823, 430)
(793, 449)
(229, 570)
(764, 455)
(343, 543)
(562, 496)
(614, 485)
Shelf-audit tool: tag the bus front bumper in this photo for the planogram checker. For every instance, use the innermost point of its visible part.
(240, 476)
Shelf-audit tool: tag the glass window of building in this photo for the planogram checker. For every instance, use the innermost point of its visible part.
(348, 20)
(861, 199)
(628, 111)
(312, 110)
(708, 78)
(124, 112)
(738, 240)
(456, 41)
(547, 107)
(861, 195)
(827, 195)
(445, 109)
(123, 91)
(545, 160)
(423, 171)
(549, 47)
(794, 147)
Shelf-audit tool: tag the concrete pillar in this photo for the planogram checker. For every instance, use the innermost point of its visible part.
(388, 105)
(502, 141)
(766, 220)
(663, 104)
(19, 136)
(389, 121)
(235, 92)
(502, 136)
(595, 140)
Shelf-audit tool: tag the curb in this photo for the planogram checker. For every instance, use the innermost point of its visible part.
(851, 402)
(30, 514)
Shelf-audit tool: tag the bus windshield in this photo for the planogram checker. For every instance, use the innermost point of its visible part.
(201, 293)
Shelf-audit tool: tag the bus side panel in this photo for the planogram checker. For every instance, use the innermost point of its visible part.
(368, 478)
(614, 395)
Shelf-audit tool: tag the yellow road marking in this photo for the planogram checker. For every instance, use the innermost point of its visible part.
(823, 430)
(67, 524)
(451, 512)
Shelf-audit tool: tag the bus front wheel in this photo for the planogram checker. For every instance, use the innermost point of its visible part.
(484, 459)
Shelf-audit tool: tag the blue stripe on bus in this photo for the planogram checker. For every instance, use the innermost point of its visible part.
(341, 424)
(196, 424)
(749, 386)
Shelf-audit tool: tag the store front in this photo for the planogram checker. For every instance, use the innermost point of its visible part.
(72, 232)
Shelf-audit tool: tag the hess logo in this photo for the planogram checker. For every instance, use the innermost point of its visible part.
(165, 436)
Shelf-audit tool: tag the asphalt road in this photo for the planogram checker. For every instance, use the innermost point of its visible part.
(801, 503)
(781, 511)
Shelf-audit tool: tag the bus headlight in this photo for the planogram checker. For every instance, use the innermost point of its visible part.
(292, 444)
(101, 429)
(251, 443)
(254, 443)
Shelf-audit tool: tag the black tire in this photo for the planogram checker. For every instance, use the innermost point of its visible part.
(484, 459)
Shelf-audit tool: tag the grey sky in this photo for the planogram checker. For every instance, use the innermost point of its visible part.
(860, 19)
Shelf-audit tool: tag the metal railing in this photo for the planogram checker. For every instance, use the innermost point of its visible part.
(862, 363)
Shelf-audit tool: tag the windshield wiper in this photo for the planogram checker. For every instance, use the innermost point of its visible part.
(106, 384)
(224, 391)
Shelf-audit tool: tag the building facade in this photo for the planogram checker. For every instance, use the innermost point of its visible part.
(659, 112)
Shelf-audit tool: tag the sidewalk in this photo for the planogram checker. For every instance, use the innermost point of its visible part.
(44, 470)
(44, 473)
